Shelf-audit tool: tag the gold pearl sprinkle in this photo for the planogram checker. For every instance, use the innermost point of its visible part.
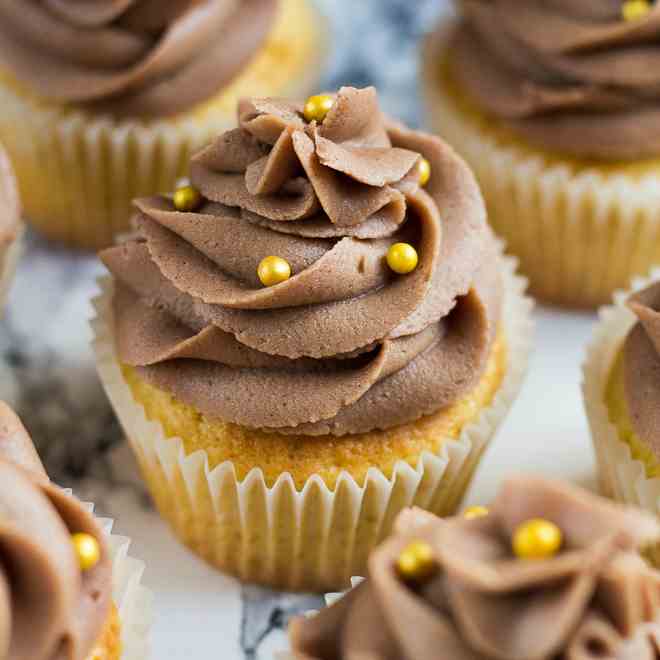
(88, 550)
(473, 512)
(424, 171)
(187, 199)
(273, 270)
(402, 258)
(634, 10)
(416, 562)
(537, 539)
(317, 107)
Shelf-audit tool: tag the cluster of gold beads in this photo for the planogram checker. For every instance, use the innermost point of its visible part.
(317, 107)
(273, 270)
(87, 549)
(634, 10)
(416, 562)
(537, 539)
(187, 198)
(402, 258)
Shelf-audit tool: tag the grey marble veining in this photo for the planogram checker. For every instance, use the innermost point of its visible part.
(46, 364)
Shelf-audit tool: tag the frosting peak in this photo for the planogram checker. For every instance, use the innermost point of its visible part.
(352, 344)
(573, 77)
(596, 599)
(131, 57)
(49, 609)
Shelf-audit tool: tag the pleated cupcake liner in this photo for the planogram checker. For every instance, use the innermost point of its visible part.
(79, 172)
(133, 601)
(621, 476)
(580, 234)
(314, 538)
(10, 253)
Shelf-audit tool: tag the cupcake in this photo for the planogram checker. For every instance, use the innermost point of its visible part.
(622, 394)
(550, 573)
(67, 588)
(11, 227)
(554, 105)
(316, 333)
(104, 101)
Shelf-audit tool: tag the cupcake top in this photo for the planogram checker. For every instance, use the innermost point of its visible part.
(131, 57)
(314, 278)
(641, 367)
(52, 606)
(575, 76)
(490, 588)
(10, 208)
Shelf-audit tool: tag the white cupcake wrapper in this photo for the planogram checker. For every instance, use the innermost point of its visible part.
(9, 256)
(314, 538)
(580, 234)
(133, 601)
(621, 476)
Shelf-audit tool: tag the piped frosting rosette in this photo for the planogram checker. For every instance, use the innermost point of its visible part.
(574, 77)
(345, 345)
(343, 348)
(131, 57)
(479, 599)
(49, 606)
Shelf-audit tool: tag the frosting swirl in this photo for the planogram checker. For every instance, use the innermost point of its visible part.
(49, 610)
(596, 599)
(131, 57)
(569, 76)
(641, 367)
(344, 345)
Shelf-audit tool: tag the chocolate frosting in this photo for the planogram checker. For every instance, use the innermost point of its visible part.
(568, 75)
(10, 208)
(641, 367)
(131, 57)
(344, 345)
(49, 609)
(596, 599)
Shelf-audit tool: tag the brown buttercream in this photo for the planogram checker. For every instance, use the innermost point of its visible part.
(344, 345)
(49, 609)
(131, 57)
(567, 75)
(10, 208)
(641, 363)
(596, 599)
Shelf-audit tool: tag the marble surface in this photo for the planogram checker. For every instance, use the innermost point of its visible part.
(48, 375)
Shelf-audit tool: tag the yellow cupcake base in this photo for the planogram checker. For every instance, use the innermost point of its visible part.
(615, 400)
(109, 646)
(581, 229)
(78, 172)
(627, 469)
(268, 508)
(326, 456)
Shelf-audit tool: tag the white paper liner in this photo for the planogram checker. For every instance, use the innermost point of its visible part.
(78, 173)
(580, 233)
(133, 601)
(9, 256)
(312, 539)
(621, 476)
